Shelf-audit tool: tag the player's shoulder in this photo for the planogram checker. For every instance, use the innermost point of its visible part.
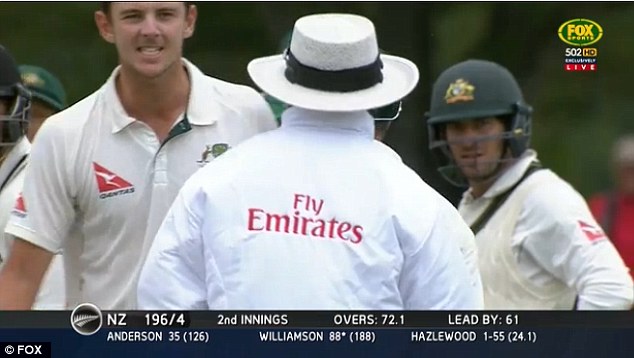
(551, 195)
(395, 169)
(229, 90)
(386, 151)
(555, 210)
(403, 182)
(224, 92)
(66, 122)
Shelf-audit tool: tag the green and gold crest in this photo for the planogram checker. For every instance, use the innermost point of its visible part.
(32, 80)
(214, 151)
(219, 148)
(459, 91)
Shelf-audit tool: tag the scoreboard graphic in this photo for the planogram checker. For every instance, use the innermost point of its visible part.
(366, 334)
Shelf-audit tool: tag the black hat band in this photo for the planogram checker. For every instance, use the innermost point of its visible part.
(349, 80)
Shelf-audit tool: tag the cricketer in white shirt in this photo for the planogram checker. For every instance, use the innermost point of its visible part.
(98, 170)
(52, 292)
(330, 219)
(543, 249)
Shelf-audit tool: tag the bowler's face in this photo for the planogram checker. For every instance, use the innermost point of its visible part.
(148, 35)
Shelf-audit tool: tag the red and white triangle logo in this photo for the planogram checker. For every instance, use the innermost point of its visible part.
(107, 181)
(19, 205)
(593, 233)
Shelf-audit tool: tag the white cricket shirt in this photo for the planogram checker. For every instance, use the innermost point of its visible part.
(98, 170)
(554, 241)
(314, 215)
(52, 292)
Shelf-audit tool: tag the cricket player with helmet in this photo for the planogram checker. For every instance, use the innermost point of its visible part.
(539, 246)
(15, 113)
(15, 103)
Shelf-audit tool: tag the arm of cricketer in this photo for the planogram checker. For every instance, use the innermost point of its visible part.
(23, 272)
(47, 205)
(563, 238)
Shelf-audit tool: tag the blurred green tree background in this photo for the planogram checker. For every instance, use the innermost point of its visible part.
(577, 114)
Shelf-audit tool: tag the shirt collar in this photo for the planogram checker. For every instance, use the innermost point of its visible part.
(508, 178)
(196, 108)
(200, 104)
(359, 122)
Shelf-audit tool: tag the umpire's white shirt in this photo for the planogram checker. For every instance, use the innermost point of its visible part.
(52, 292)
(314, 215)
(96, 170)
(543, 247)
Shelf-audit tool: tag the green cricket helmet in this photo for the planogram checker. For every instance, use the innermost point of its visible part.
(13, 123)
(44, 86)
(476, 89)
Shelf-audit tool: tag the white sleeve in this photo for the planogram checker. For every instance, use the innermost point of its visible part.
(173, 276)
(47, 193)
(435, 274)
(565, 240)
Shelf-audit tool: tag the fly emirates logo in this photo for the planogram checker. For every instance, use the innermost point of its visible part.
(306, 221)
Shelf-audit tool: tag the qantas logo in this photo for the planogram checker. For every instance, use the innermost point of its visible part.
(110, 184)
(19, 209)
(593, 233)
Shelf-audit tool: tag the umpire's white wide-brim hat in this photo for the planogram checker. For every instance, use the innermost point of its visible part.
(333, 64)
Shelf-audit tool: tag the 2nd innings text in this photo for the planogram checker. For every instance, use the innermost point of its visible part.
(338, 319)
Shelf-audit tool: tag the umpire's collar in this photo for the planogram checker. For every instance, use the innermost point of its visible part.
(354, 123)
